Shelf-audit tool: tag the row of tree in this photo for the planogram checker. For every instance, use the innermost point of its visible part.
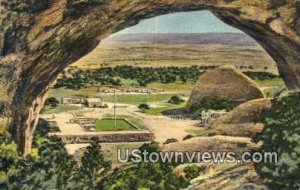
(54, 168)
(142, 75)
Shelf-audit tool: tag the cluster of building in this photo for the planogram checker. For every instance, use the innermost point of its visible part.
(89, 132)
(130, 90)
(88, 102)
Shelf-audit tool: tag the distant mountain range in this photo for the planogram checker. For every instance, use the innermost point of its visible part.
(182, 38)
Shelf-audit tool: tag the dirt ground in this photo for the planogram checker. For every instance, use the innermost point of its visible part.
(162, 127)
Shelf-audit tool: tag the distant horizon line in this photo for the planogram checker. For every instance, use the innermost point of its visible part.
(116, 34)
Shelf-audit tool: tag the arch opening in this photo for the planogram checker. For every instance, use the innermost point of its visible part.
(277, 33)
(149, 52)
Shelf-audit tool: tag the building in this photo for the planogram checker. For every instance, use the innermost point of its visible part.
(95, 103)
(88, 102)
(73, 100)
(87, 124)
(107, 90)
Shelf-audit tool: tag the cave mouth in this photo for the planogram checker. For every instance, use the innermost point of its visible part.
(158, 68)
(46, 47)
(159, 42)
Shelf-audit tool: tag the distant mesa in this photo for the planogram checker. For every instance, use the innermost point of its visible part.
(227, 83)
(182, 38)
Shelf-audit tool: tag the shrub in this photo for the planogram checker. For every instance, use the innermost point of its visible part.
(193, 171)
(175, 100)
(187, 137)
(53, 102)
(171, 140)
(212, 103)
(260, 75)
(282, 135)
(144, 106)
(93, 165)
(145, 175)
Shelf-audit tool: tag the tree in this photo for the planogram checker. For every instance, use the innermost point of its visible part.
(93, 165)
(212, 103)
(175, 100)
(40, 133)
(54, 168)
(282, 135)
(193, 171)
(53, 102)
(8, 158)
(183, 78)
(151, 176)
(171, 140)
(144, 106)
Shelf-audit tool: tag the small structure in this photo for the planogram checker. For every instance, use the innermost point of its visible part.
(88, 102)
(52, 124)
(208, 117)
(108, 90)
(95, 103)
(73, 100)
(87, 124)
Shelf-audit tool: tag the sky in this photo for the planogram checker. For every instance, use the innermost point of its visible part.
(182, 22)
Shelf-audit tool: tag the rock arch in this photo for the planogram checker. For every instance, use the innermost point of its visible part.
(39, 38)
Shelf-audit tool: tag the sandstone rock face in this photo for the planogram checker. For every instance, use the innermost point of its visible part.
(39, 38)
(224, 82)
(252, 111)
(218, 143)
(245, 120)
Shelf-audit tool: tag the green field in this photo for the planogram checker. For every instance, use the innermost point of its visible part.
(61, 108)
(112, 125)
(138, 122)
(133, 99)
(164, 107)
(136, 99)
(179, 87)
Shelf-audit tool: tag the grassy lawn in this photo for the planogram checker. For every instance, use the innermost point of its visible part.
(166, 106)
(133, 99)
(110, 125)
(60, 109)
(155, 111)
(136, 99)
(136, 120)
(177, 87)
